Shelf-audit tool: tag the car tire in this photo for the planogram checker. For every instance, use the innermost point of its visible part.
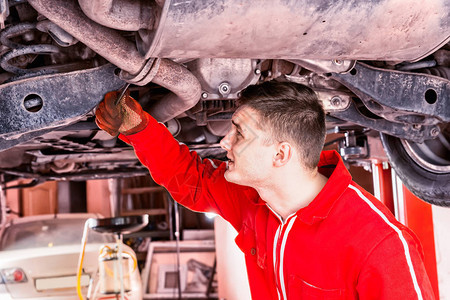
(431, 184)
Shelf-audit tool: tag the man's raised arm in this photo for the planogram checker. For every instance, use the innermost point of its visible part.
(195, 183)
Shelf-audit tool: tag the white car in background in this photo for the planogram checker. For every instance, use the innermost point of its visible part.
(39, 257)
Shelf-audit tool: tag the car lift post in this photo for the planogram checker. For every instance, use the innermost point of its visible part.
(410, 211)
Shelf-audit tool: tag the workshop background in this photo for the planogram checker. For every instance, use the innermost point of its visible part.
(140, 195)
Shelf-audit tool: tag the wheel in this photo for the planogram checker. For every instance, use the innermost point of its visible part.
(424, 168)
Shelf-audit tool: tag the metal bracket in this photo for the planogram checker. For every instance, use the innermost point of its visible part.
(404, 131)
(51, 101)
(409, 98)
(334, 100)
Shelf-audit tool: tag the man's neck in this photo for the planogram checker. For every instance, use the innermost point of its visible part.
(291, 192)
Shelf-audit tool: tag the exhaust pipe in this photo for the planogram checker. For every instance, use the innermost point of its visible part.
(104, 41)
(129, 15)
(183, 85)
(186, 89)
(302, 29)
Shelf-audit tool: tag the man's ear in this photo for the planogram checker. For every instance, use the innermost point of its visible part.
(283, 155)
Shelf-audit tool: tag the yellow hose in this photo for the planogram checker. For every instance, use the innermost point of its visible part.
(103, 248)
(81, 258)
(134, 260)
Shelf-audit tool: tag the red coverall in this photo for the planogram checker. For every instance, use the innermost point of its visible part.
(344, 245)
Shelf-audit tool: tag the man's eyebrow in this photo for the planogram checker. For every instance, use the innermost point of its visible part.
(237, 125)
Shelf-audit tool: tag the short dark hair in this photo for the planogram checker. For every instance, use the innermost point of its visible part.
(291, 112)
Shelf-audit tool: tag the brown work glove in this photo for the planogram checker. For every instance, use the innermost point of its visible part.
(127, 117)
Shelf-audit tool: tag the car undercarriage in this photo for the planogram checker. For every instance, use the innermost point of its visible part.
(381, 70)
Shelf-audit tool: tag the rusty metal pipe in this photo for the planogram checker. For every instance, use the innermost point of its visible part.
(130, 15)
(106, 42)
(184, 85)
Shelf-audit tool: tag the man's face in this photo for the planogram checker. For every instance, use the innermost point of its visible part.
(249, 153)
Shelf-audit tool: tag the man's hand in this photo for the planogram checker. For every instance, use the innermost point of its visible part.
(127, 117)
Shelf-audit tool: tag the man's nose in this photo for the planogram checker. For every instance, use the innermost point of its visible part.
(225, 143)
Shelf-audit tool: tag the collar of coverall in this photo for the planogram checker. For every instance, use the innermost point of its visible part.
(331, 166)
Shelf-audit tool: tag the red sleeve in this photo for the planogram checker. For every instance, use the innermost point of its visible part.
(197, 184)
(395, 270)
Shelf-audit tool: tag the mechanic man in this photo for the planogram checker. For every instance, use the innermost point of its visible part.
(307, 230)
